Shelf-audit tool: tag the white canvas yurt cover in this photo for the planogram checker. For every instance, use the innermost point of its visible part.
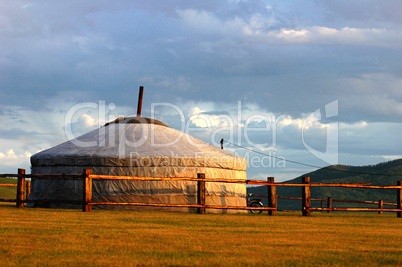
(143, 147)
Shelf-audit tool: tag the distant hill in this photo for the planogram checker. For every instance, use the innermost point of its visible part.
(386, 173)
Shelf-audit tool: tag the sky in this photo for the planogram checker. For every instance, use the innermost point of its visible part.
(311, 82)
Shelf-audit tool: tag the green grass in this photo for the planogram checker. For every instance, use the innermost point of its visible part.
(32, 237)
(8, 192)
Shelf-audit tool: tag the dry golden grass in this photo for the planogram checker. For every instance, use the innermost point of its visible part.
(32, 237)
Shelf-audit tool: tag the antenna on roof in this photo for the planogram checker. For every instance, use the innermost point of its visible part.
(139, 107)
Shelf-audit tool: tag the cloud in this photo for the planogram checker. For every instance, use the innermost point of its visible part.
(363, 11)
(206, 23)
(202, 120)
(10, 159)
(281, 59)
(391, 157)
(353, 126)
(258, 28)
(373, 97)
(319, 35)
(365, 138)
(178, 84)
(9, 155)
(86, 120)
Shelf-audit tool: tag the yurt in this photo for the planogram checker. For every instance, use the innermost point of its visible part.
(142, 147)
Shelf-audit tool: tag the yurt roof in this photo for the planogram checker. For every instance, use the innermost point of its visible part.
(137, 141)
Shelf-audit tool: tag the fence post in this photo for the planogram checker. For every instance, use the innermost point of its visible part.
(201, 193)
(20, 188)
(87, 190)
(329, 204)
(28, 189)
(272, 197)
(380, 205)
(306, 197)
(399, 199)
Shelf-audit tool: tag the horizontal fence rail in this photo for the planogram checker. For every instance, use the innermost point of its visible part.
(26, 185)
(23, 190)
(356, 209)
(335, 200)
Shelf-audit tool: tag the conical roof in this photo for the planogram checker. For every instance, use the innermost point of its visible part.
(136, 142)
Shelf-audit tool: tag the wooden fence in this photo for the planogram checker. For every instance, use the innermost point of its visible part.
(22, 186)
(306, 185)
(330, 200)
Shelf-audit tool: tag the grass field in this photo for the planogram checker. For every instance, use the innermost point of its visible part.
(32, 237)
(8, 192)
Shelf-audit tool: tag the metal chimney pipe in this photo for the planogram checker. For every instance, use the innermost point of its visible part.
(139, 107)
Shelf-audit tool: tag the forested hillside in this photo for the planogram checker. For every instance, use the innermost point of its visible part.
(387, 173)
